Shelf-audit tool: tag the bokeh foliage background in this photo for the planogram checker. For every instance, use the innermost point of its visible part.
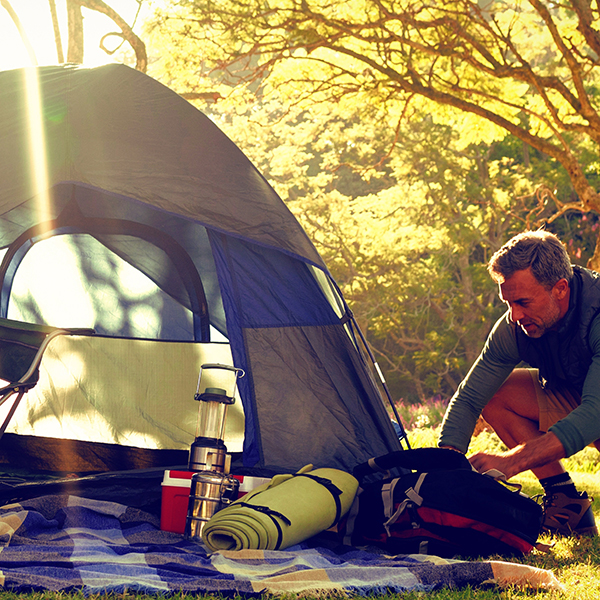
(411, 139)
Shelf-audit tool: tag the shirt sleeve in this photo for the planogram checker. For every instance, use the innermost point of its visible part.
(496, 362)
(582, 426)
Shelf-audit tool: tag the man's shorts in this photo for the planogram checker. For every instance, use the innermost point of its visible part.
(553, 404)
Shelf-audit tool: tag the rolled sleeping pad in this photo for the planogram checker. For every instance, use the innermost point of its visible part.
(285, 511)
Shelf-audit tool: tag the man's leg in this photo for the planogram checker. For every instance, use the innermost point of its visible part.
(514, 414)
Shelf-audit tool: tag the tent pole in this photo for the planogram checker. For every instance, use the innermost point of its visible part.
(403, 435)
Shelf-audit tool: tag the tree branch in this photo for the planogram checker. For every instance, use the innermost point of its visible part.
(57, 39)
(126, 32)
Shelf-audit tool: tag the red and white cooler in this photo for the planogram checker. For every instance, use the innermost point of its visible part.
(176, 492)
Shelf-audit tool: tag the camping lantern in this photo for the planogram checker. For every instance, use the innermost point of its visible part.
(215, 392)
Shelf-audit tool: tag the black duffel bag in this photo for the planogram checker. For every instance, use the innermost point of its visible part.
(440, 506)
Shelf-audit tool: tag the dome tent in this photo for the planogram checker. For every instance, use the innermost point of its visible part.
(134, 172)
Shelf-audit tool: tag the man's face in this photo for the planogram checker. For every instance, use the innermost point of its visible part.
(534, 308)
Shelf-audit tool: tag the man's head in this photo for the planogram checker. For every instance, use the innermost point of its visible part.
(533, 272)
(540, 251)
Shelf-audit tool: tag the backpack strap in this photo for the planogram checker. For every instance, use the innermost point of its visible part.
(413, 498)
(417, 459)
(351, 520)
(500, 477)
(372, 464)
(387, 496)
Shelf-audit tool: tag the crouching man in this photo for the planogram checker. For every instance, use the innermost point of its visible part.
(552, 409)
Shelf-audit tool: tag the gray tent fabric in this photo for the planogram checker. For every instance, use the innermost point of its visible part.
(128, 164)
(119, 131)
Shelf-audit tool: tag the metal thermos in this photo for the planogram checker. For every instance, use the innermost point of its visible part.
(210, 492)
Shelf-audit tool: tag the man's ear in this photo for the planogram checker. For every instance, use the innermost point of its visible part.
(560, 289)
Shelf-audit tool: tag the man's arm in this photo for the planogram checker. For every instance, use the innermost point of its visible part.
(533, 454)
(495, 363)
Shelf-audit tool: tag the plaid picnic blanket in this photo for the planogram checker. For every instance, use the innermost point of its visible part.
(68, 543)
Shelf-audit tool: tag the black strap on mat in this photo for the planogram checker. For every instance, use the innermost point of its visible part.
(332, 489)
(272, 514)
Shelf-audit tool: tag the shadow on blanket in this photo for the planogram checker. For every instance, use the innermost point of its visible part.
(65, 543)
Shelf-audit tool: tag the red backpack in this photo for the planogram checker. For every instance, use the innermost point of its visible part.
(439, 505)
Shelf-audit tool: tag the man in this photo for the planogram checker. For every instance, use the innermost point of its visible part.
(552, 409)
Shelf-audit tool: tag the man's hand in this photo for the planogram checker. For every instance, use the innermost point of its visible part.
(533, 454)
(483, 462)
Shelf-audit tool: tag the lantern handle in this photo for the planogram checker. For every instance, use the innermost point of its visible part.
(238, 372)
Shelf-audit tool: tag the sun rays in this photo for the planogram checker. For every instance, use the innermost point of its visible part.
(37, 144)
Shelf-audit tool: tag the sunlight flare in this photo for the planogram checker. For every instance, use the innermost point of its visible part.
(37, 144)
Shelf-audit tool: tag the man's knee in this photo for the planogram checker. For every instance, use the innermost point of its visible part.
(517, 396)
(495, 408)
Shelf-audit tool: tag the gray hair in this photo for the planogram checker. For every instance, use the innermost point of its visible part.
(539, 250)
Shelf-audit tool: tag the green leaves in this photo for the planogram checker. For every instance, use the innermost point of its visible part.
(409, 139)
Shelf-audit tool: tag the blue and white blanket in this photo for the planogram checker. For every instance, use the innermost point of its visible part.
(69, 543)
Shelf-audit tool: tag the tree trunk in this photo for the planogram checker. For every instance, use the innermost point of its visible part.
(57, 39)
(75, 23)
